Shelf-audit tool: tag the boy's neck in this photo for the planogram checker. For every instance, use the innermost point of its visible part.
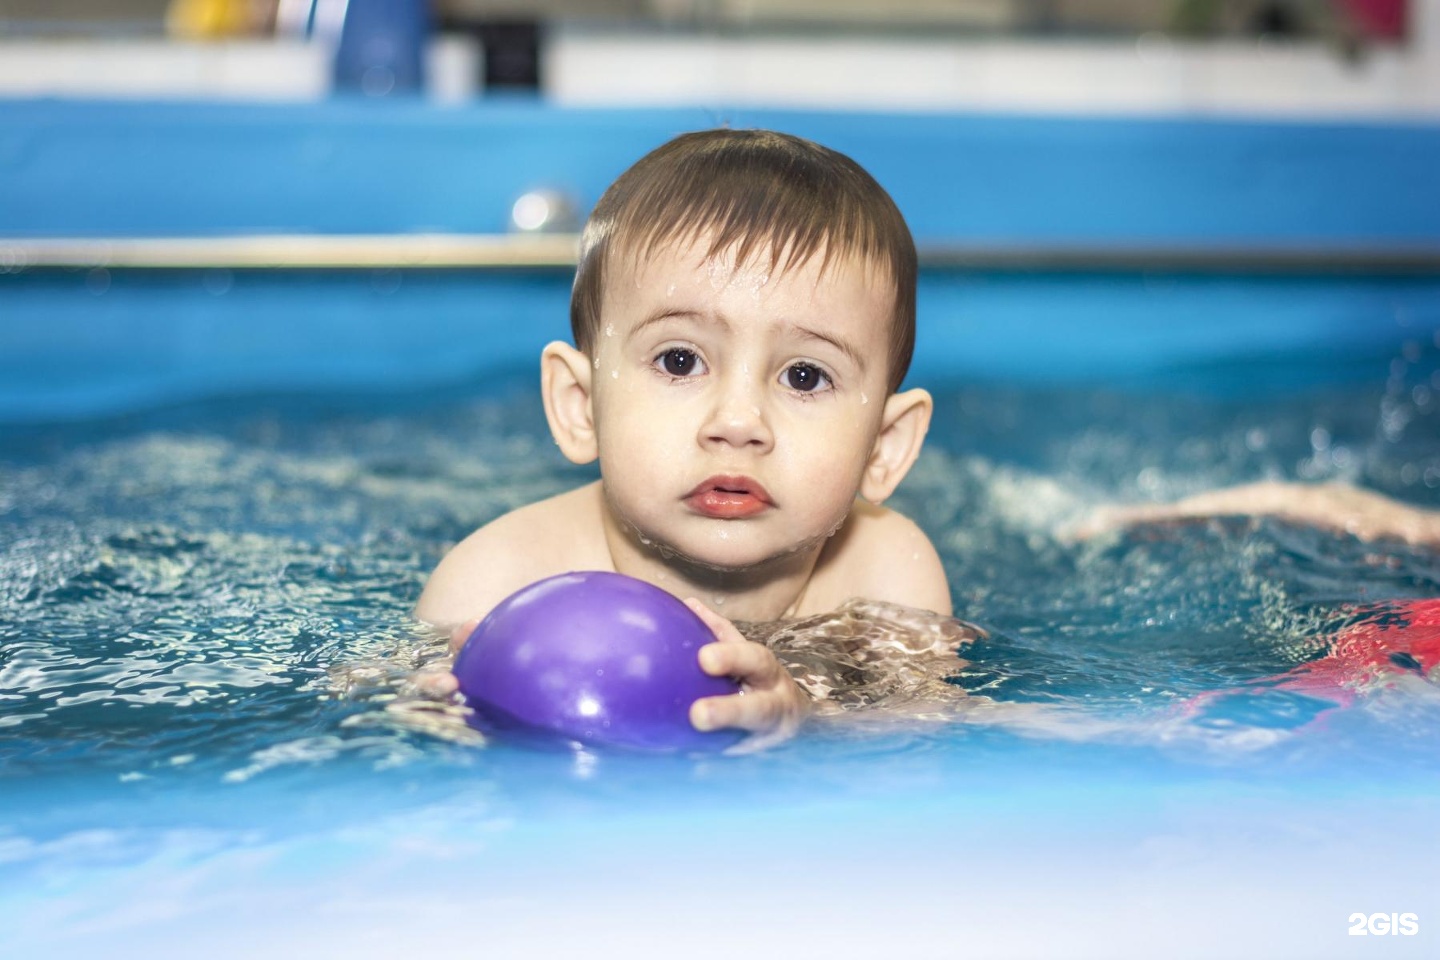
(770, 592)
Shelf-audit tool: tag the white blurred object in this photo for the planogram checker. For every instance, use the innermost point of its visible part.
(544, 211)
(453, 68)
(275, 70)
(288, 68)
(587, 65)
(293, 18)
(975, 14)
(328, 20)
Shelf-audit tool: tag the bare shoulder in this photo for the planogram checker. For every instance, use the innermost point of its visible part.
(524, 545)
(883, 555)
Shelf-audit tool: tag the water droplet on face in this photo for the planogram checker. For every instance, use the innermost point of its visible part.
(718, 601)
(609, 329)
(597, 363)
(614, 374)
(863, 399)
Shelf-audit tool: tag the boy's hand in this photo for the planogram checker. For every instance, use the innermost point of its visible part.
(771, 706)
(436, 682)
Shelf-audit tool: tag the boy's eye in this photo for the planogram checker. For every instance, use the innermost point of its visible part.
(679, 362)
(804, 377)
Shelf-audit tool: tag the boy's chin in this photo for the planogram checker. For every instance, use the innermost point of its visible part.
(733, 557)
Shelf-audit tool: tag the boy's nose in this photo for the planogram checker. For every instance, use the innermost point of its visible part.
(738, 418)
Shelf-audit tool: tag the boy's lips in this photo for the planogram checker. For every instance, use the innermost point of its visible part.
(727, 497)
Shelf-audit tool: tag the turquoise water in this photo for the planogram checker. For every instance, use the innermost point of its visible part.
(206, 736)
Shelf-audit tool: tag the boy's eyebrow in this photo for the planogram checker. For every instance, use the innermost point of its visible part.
(672, 315)
(843, 346)
(805, 333)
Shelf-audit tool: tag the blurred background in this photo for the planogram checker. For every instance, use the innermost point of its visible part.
(1245, 55)
(207, 195)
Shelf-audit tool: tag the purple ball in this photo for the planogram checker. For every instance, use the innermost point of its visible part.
(597, 657)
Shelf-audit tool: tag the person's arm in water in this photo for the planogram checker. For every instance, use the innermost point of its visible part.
(1332, 506)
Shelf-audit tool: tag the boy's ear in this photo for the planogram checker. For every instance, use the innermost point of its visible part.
(903, 426)
(565, 388)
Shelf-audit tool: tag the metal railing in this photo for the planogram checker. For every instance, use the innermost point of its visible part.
(558, 251)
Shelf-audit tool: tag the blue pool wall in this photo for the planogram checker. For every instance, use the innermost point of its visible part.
(78, 342)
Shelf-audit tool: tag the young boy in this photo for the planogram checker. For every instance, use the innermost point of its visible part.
(743, 315)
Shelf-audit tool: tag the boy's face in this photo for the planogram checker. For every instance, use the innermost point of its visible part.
(736, 409)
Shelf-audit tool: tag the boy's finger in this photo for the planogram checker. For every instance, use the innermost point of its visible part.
(746, 660)
(460, 634)
(723, 629)
(435, 682)
(752, 713)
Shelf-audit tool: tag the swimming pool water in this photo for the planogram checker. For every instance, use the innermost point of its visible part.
(206, 735)
(208, 746)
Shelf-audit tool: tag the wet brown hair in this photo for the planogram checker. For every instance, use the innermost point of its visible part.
(751, 190)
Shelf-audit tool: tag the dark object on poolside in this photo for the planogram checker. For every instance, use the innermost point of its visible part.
(597, 657)
(382, 47)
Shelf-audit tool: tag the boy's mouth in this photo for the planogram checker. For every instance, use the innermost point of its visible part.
(729, 498)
